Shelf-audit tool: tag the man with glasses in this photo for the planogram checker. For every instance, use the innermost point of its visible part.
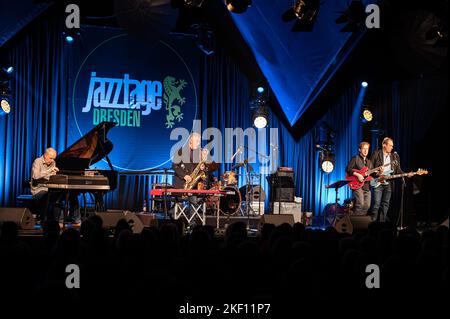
(44, 167)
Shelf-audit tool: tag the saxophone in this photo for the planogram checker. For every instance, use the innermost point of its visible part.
(196, 175)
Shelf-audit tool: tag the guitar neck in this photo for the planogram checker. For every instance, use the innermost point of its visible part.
(397, 176)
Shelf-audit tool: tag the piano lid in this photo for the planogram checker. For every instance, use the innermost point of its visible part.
(88, 150)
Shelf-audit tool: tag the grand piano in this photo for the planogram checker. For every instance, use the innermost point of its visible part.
(74, 164)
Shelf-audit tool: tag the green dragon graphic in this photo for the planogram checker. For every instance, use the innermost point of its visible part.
(172, 89)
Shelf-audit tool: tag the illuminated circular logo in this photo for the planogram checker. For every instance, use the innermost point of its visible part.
(146, 89)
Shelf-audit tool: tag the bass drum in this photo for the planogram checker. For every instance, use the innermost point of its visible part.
(230, 204)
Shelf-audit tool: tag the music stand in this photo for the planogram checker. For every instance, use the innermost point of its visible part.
(336, 186)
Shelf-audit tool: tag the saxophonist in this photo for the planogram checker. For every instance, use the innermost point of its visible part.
(193, 155)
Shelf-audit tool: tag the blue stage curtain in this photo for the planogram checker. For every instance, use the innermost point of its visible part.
(310, 180)
(225, 103)
(38, 117)
(39, 120)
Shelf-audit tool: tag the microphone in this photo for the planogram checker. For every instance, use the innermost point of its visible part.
(238, 151)
(397, 158)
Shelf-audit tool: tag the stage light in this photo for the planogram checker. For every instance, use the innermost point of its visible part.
(9, 69)
(260, 120)
(70, 36)
(326, 156)
(305, 12)
(366, 116)
(259, 108)
(327, 162)
(69, 39)
(327, 165)
(5, 107)
(364, 84)
(238, 6)
(353, 17)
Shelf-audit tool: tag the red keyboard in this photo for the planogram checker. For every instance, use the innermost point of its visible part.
(176, 191)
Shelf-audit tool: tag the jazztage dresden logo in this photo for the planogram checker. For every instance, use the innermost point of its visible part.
(125, 100)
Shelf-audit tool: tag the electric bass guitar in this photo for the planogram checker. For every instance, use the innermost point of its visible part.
(366, 172)
(385, 177)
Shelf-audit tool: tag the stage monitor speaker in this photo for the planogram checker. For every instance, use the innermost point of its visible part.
(111, 217)
(276, 219)
(350, 224)
(135, 222)
(21, 216)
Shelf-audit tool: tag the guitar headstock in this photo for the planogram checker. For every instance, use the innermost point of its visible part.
(421, 171)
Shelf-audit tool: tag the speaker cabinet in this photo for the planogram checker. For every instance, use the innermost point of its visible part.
(255, 191)
(111, 217)
(349, 224)
(21, 216)
(282, 194)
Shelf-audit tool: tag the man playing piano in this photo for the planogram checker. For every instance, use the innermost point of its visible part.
(44, 167)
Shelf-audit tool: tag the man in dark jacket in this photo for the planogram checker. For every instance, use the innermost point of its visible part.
(187, 160)
(382, 193)
(361, 195)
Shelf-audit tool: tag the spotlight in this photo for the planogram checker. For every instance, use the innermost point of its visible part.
(260, 113)
(260, 120)
(366, 116)
(258, 106)
(326, 154)
(69, 39)
(364, 84)
(305, 12)
(9, 69)
(5, 108)
(70, 36)
(353, 17)
(238, 6)
(327, 163)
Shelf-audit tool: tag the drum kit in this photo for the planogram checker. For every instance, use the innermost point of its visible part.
(230, 205)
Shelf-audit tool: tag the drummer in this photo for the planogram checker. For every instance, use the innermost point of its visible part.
(230, 178)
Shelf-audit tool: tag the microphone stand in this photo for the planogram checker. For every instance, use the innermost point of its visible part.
(165, 194)
(400, 214)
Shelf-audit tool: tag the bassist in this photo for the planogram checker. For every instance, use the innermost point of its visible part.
(382, 194)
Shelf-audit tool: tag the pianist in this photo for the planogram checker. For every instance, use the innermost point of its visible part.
(44, 167)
